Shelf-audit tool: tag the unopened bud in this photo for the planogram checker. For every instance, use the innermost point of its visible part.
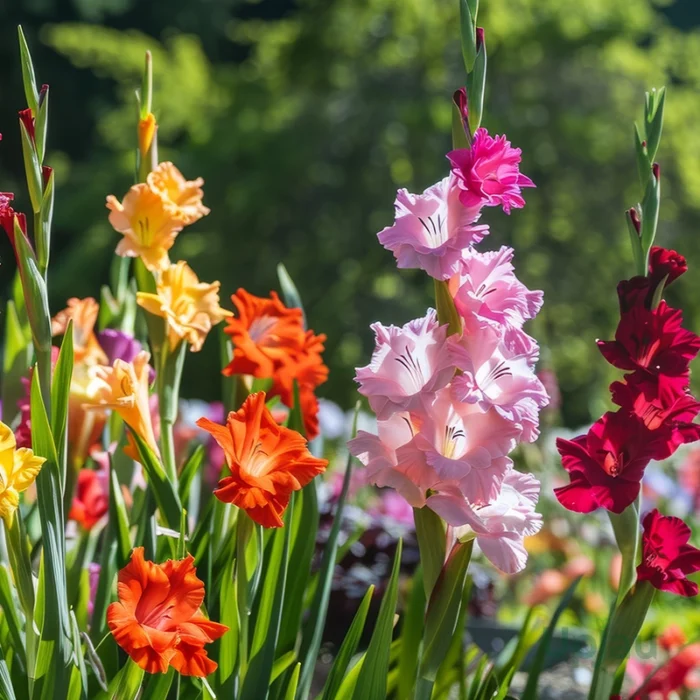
(634, 218)
(27, 118)
(479, 38)
(656, 171)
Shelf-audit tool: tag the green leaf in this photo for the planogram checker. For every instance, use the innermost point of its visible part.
(9, 607)
(158, 686)
(94, 660)
(372, 678)
(189, 471)
(348, 648)
(411, 634)
(77, 690)
(6, 688)
(654, 118)
(126, 685)
(41, 123)
(537, 665)
(468, 34)
(163, 490)
(290, 294)
(311, 640)
(119, 519)
(43, 235)
(293, 682)
(643, 161)
(267, 622)
(32, 168)
(430, 531)
(446, 310)
(28, 78)
(650, 214)
(228, 615)
(60, 392)
(282, 664)
(443, 609)
(476, 85)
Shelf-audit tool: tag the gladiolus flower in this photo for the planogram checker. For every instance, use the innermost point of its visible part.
(186, 195)
(157, 619)
(665, 263)
(267, 461)
(488, 173)
(147, 129)
(18, 470)
(667, 558)
(149, 224)
(263, 334)
(408, 363)
(83, 313)
(432, 229)
(91, 499)
(124, 388)
(7, 217)
(651, 340)
(675, 675)
(190, 307)
(672, 637)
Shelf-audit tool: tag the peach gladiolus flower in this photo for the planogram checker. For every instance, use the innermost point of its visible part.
(124, 388)
(83, 313)
(149, 223)
(157, 619)
(190, 307)
(18, 470)
(267, 461)
(186, 195)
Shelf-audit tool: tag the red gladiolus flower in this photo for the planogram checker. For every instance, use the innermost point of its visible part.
(667, 558)
(158, 621)
(8, 214)
(663, 262)
(91, 500)
(606, 465)
(675, 675)
(267, 461)
(651, 340)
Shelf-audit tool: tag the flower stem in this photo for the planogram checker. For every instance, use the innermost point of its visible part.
(170, 374)
(244, 529)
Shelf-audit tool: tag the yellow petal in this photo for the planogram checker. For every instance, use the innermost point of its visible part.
(9, 500)
(26, 467)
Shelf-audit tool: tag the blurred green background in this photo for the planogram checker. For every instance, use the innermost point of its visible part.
(305, 117)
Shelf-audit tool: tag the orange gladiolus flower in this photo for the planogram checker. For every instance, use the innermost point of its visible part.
(149, 223)
(186, 195)
(189, 307)
(147, 129)
(158, 621)
(83, 313)
(124, 388)
(267, 461)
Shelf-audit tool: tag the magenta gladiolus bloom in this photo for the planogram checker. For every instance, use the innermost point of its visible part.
(408, 364)
(488, 173)
(432, 229)
(487, 287)
(667, 558)
(499, 525)
(495, 373)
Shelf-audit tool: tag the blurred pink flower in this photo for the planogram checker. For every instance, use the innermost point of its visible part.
(431, 229)
(94, 578)
(679, 673)
(394, 506)
(495, 374)
(488, 173)
(408, 364)
(486, 286)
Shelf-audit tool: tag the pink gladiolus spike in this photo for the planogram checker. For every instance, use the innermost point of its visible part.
(408, 364)
(432, 229)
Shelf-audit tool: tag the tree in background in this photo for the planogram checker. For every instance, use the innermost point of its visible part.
(304, 118)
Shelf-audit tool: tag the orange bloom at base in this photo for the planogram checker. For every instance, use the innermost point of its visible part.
(267, 461)
(158, 621)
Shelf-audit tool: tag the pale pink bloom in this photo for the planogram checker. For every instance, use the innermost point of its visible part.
(501, 524)
(408, 363)
(494, 373)
(487, 286)
(462, 444)
(488, 173)
(431, 229)
(412, 477)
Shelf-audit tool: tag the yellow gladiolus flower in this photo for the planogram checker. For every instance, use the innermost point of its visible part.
(149, 223)
(190, 307)
(186, 195)
(124, 388)
(18, 470)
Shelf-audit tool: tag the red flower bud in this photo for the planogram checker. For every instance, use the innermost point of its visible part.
(479, 38)
(7, 216)
(664, 262)
(46, 172)
(656, 171)
(634, 217)
(27, 118)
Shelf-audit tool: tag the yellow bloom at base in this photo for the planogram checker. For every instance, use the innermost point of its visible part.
(186, 195)
(18, 470)
(190, 307)
(149, 223)
(124, 388)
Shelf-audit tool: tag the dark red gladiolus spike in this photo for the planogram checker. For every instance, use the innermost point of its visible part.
(653, 341)
(667, 556)
(633, 292)
(27, 118)
(663, 262)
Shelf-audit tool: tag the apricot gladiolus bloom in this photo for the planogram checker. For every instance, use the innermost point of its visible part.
(18, 470)
(263, 334)
(83, 313)
(186, 195)
(190, 307)
(147, 129)
(267, 461)
(149, 223)
(124, 388)
(158, 621)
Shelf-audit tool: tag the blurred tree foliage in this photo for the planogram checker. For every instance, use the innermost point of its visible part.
(305, 117)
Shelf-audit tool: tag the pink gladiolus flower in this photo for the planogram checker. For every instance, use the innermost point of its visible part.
(495, 374)
(500, 524)
(487, 286)
(431, 229)
(488, 173)
(408, 364)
